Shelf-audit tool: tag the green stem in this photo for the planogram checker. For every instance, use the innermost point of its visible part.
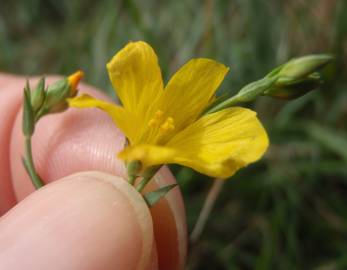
(143, 183)
(225, 104)
(132, 179)
(148, 175)
(248, 93)
(29, 164)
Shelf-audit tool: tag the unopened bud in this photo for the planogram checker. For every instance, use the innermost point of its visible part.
(303, 66)
(288, 81)
(58, 92)
(297, 77)
(74, 79)
(38, 95)
(294, 90)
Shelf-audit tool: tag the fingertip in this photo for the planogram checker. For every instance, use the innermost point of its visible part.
(10, 100)
(66, 143)
(79, 140)
(90, 220)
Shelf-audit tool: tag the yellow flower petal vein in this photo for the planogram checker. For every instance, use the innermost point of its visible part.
(217, 144)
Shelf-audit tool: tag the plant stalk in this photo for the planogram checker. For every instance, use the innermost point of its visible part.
(205, 212)
(148, 175)
(29, 164)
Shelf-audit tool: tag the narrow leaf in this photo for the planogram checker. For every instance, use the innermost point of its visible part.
(153, 197)
(331, 139)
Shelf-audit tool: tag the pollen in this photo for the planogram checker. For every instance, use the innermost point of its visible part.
(167, 126)
(157, 119)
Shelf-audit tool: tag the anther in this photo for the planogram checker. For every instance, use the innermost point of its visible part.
(158, 114)
(156, 120)
(167, 126)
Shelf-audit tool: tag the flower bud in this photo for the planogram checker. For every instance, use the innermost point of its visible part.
(298, 68)
(38, 95)
(74, 79)
(297, 77)
(58, 92)
(293, 91)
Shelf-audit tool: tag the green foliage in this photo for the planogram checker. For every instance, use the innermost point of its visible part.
(153, 197)
(288, 211)
(28, 114)
(38, 95)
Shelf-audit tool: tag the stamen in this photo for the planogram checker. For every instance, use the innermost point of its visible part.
(167, 126)
(158, 122)
(158, 114)
(152, 123)
(157, 119)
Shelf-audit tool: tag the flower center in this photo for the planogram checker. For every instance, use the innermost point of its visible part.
(167, 126)
(164, 125)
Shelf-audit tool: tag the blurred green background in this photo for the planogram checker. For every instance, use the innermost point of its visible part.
(288, 211)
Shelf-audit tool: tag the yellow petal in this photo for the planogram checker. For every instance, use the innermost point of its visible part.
(74, 79)
(217, 144)
(135, 74)
(191, 89)
(123, 119)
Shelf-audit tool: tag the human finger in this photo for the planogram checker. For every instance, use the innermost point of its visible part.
(89, 220)
(79, 140)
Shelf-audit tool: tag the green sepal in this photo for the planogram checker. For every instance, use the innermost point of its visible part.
(291, 89)
(303, 66)
(298, 76)
(253, 90)
(56, 96)
(153, 197)
(275, 71)
(134, 168)
(38, 95)
(28, 124)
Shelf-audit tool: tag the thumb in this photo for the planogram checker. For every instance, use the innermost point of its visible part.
(88, 221)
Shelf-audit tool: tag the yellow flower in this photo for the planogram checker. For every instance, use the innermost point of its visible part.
(164, 125)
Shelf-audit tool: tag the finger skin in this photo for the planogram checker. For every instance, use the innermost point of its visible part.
(67, 143)
(170, 228)
(10, 102)
(11, 91)
(75, 224)
(79, 140)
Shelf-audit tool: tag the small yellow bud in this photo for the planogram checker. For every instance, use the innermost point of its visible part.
(74, 79)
